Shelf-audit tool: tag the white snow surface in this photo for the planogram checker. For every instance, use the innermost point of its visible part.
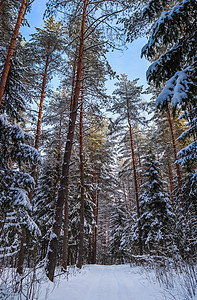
(99, 282)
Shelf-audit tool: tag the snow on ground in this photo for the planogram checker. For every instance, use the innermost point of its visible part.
(98, 282)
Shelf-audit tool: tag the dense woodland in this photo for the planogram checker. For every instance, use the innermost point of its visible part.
(87, 177)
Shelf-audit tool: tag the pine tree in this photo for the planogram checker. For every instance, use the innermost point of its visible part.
(23, 8)
(63, 191)
(47, 45)
(86, 31)
(126, 104)
(8, 15)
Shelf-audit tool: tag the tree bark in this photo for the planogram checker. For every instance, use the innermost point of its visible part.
(178, 169)
(1, 5)
(44, 81)
(21, 255)
(135, 179)
(81, 231)
(10, 53)
(73, 79)
(65, 241)
(62, 199)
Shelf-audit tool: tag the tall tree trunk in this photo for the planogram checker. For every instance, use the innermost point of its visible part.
(44, 81)
(135, 179)
(65, 238)
(81, 231)
(1, 5)
(10, 53)
(62, 199)
(178, 169)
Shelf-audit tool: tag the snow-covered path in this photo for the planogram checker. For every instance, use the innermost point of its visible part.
(95, 282)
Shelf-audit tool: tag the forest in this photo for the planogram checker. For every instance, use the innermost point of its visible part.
(92, 177)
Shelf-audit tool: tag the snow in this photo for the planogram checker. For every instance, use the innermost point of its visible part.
(189, 153)
(98, 282)
(159, 28)
(176, 88)
(103, 282)
(3, 120)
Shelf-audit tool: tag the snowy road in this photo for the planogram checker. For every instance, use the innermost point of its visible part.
(97, 282)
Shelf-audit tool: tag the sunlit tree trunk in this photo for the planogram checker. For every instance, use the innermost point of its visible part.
(62, 199)
(10, 52)
(44, 81)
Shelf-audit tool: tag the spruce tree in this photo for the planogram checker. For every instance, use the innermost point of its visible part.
(16, 182)
(156, 211)
(119, 244)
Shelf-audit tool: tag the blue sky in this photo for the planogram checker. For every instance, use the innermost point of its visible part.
(128, 61)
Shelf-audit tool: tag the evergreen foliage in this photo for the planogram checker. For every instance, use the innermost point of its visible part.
(17, 156)
(127, 204)
(119, 242)
(156, 210)
(173, 39)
